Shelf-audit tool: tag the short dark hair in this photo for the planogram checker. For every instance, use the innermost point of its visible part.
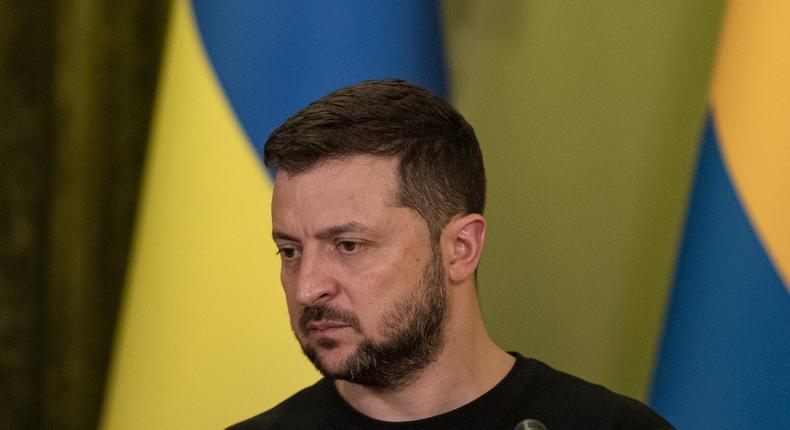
(440, 162)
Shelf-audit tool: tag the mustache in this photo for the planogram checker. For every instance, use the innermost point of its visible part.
(323, 312)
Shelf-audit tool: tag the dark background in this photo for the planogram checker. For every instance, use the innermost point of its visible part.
(77, 80)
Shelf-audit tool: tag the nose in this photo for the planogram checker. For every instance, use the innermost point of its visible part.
(314, 283)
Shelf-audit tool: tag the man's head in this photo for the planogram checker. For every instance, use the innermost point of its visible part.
(440, 168)
(374, 214)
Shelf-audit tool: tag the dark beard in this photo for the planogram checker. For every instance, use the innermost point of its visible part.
(413, 331)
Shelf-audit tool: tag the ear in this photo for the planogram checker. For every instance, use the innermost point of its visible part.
(463, 240)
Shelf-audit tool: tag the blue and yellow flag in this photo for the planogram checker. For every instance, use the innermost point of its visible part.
(725, 358)
(204, 339)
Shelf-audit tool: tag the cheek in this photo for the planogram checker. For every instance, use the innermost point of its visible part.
(379, 292)
(294, 310)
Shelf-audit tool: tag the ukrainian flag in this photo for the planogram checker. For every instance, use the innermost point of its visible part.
(725, 358)
(204, 339)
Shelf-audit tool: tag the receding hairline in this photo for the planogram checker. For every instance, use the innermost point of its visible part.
(331, 158)
(395, 187)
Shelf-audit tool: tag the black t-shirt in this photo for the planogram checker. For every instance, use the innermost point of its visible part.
(531, 390)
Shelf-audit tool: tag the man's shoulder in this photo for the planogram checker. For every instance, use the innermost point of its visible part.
(294, 411)
(554, 390)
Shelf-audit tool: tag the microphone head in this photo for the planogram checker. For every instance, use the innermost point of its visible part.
(530, 424)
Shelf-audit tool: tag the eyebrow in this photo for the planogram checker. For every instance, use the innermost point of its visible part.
(351, 227)
(276, 235)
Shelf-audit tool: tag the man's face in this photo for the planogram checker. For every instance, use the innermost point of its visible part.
(365, 288)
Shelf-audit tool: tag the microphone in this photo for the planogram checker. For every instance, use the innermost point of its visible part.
(530, 424)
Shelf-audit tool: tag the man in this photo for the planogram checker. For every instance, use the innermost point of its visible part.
(377, 216)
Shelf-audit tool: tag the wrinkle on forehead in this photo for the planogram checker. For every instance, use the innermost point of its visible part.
(348, 171)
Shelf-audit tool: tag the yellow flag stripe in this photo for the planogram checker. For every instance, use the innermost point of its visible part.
(204, 339)
(751, 102)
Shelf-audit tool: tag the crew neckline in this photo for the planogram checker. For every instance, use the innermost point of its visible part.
(455, 418)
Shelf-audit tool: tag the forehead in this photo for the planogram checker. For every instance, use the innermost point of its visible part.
(376, 174)
(339, 188)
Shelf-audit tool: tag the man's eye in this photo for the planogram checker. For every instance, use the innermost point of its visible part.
(348, 246)
(287, 253)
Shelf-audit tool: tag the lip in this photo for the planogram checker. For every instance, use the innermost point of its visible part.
(325, 326)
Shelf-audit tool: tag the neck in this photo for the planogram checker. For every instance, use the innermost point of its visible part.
(468, 365)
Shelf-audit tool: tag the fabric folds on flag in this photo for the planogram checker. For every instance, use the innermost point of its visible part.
(204, 338)
(725, 356)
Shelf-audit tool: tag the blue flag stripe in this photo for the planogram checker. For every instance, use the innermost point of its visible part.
(725, 358)
(274, 57)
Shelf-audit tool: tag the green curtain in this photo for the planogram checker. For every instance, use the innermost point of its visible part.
(77, 80)
(589, 114)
